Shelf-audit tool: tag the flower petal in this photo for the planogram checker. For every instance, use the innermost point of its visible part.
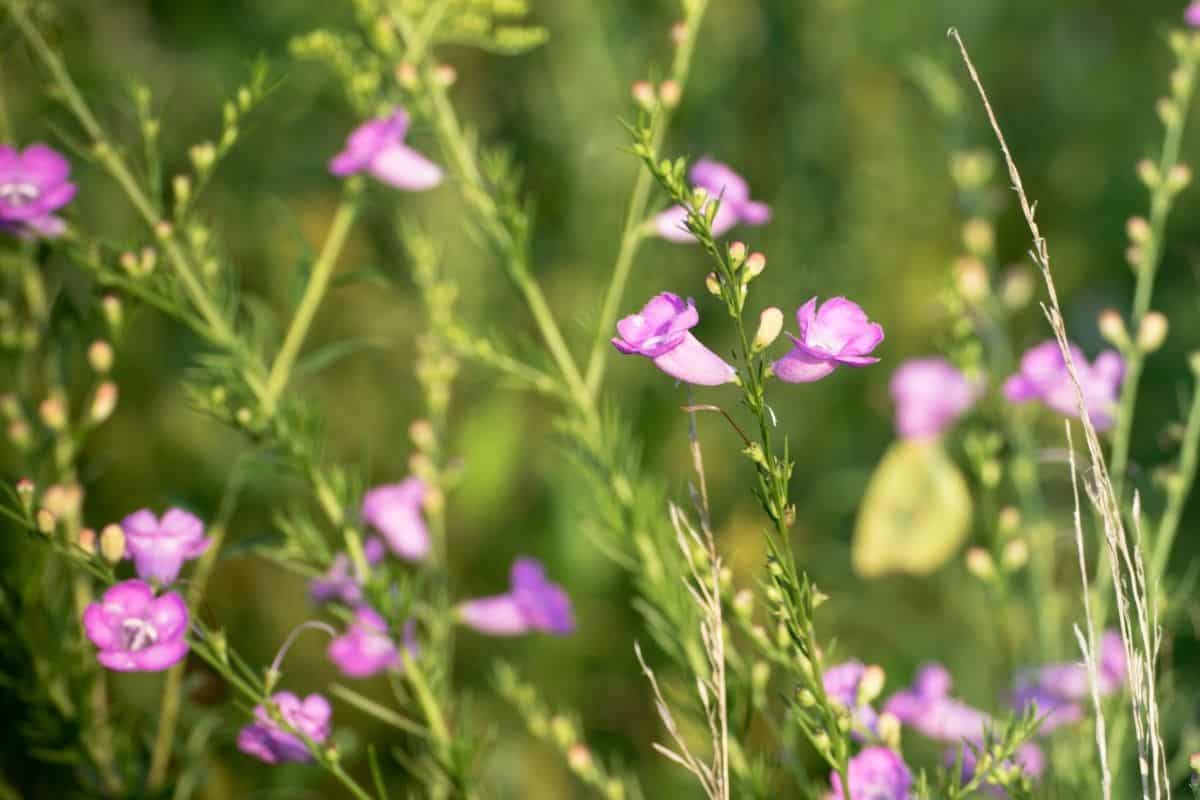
(158, 657)
(400, 166)
(799, 366)
(719, 179)
(672, 225)
(692, 362)
(499, 615)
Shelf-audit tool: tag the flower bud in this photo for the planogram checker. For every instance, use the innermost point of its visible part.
(1009, 520)
(679, 32)
(643, 95)
(100, 356)
(820, 740)
(164, 230)
(422, 435)
(53, 412)
(743, 603)
(700, 197)
(737, 254)
(1194, 762)
(203, 156)
(978, 237)
(1138, 230)
(563, 731)
(1015, 555)
(805, 698)
(670, 92)
(149, 260)
(1152, 332)
(1168, 111)
(770, 324)
(713, 284)
(870, 685)
(63, 500)
(406, 75)
(87, 541)
(1112, 328)
(1148, 173)
(445, 75)
(579, 758)
(1179, 177)
(112, 543)
(243, 416)
(755, 264)
(182, 186)
(888, 726)
(113, 315)
(20, 434)
(104, 403)
(1194, 363)
(980, 564)
(46, 522)
(971, 279)
(25, 493)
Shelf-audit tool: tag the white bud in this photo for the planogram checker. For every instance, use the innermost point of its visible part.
(770, 324)
(1152, 332)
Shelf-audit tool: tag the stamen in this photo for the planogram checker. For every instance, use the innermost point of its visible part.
(138, 634)
(18, 194)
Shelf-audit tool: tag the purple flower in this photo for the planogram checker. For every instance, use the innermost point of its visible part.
(136, 631)
(266, 740)
(661, 333)
(1058, 688)
(395, 511)
(838, 333)
(1044, 377)
(736, 206)
(339, 582)
(1191, 15)
(877, 773)
(843, 685)
(532, 604)
(377, 147)
(33, 185)
(930, 395)
(365, 649)
(159, 547)
(927, 707)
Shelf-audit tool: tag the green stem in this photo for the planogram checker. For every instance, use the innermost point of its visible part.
(438, 728)
(1178, 491)
(314, 292)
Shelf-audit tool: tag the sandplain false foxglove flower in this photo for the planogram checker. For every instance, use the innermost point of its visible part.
(340, 582)
(1044, 377)
(876, 773)
(33, 185)
(721, 183)
(267, 741)
(928, 708)
(1059, 689)
(377, 147)
(661, 333)
(136, 631)
(159, 547)
(930, 395)
(836, 334)
(844, 685)
(531, 604)
(395, 511)
(365, 649)
(1191, 14)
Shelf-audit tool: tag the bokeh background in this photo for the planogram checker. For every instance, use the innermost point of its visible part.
(815, 103)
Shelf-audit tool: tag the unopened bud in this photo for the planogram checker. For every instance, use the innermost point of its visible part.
(755, 264)
(148, 261)
(1112, 328)
(870, 685)
(1147, 172)
(63, 500)
(1179, 177)
(888, 727)
(112, 543)
(770, 324)
(579, 758)
(182, 186)
(25, 493)
(129, 262)
(971, 278)
(53, 412)
(1010, 520)
(100, 356)
(422, 434)
(406, 75)
(563, 731)
(670, 92)
(978, 237)
(1168, 111)
(743, 603)
(679, 32)
(243, 416)
(113, 314)
(20, 434)
(87, 541)
(104, 403)
(203, 155)
(163, 230)
(46, 521)
(643, 94)
(760, 673)
(713, 284)
(820, 740)
(1194, 762)
(1015, 555)
(445, 75)
(737, 254)
(980, 563)
(1138, 230)
(1152, 332)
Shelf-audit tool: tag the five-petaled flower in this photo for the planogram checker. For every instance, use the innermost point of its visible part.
(159, 547)
(876, 773)
(1044, 377)
(33, 185)
(1058, 689)
(266, 739)
(341, 582)
(366, 649)
(927, 707)
(531, 604)
(661, 332)
(930, 395)
(395, 511)
(836, 334)
(722, 184)
(377, 147)
(136, 631)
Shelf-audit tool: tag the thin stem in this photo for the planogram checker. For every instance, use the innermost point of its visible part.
(438, 728)
(1180, 484)
(314, 292)
(6, 130)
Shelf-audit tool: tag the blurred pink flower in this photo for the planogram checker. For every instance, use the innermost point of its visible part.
(736, 206)
(1044, 377)
(930, 395)
(340, 582)
(661, 333)
(267, 741)
(838, 333)
(1191, 14)
(33, 185)
(876, 773)
(395, 511)
(928, 708)
(159, 547)
(532, 604)
(365, 649)
(377, 147)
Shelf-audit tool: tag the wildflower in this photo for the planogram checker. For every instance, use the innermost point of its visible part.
(660, 332)
(339, 582)
(1191, 15)
(735, 204)
(1057, 689)
(930, 395)
(33, 185)
(844, 685)
(395, 511)
(136, 631)
(365, 649)
(1044, 377)
(877, 773)
(377, 147)
(927, 707)
(266, 740)
(532, 604)
(159, 547)
(1029, 757)
(838, 333)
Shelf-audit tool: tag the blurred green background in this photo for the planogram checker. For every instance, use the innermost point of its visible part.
(815, 104)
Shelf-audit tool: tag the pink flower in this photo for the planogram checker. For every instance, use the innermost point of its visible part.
(736, 206)
(366, 649)
(377, 147)
(877, 773)
(267, 741)
(532, 604)
(340, 581)
(1191, 15)
(661, 333)
(1044, 377)
(841, 684)
(135, 631)
(159, 547)
(395, 511)
(1058, 689)
(927, 707)
(838, 333)
(930, 395)
(33, 185)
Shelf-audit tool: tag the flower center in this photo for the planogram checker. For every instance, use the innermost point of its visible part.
(137, 634)
(18, 194)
